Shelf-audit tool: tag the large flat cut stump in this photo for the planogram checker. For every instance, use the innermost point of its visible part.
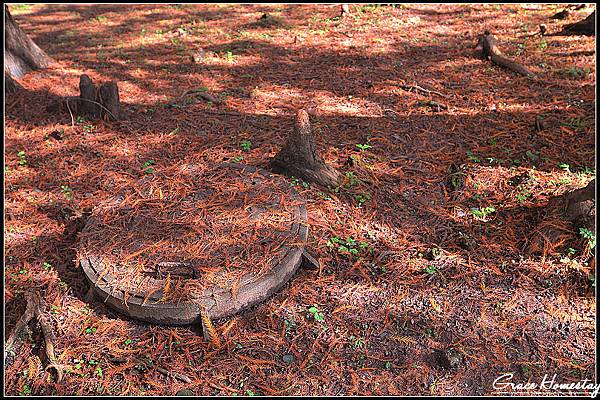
(194, 239)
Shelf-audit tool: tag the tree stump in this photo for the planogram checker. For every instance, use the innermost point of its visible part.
(108, 96)
(299, 158)
(21, 54)
(487, 45)
(585, 27)
(99, 102)
(87, 98)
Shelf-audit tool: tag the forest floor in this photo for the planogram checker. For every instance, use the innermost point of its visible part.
(441, 299)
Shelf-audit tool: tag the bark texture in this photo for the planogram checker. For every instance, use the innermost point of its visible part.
(21, 54)
(299, 157)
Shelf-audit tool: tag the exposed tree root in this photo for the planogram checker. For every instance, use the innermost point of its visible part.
(34, 310)
(487, 45)
(299, 157)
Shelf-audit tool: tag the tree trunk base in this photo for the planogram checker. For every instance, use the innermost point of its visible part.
(585, 27)
(577, 208)
(299, 157)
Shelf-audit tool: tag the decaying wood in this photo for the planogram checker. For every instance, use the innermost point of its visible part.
(102, 102)
(487, 45)
(34, 310)
(299, 158)
(87, 95)
(108, 96)
(585, 27)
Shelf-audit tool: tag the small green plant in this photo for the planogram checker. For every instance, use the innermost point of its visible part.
(575, 72)
(67, 192)
(353, 180)
(324, 196)
(237, 159)
(147, 167)
(589, 236)
(88, 128)
(127, 342)
(586, 172)
(524, 195)
(298, 182)
(98, 372)
(26, 391)
(564, 167)
(229, 56)
(575, 123)
(318, 316)
(91, 330)
(430, 269)
(99, 18)
(47, 266)
(361, 198)
(569, 256)
(543, 45)
(246, 145)
(482, 212)
(349, 246)
(357, 342)
(22, 158)
(388, 365)
(472, 157)
(363, 147)
(532, 156)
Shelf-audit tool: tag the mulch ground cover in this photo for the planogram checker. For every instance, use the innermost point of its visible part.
(424, 287)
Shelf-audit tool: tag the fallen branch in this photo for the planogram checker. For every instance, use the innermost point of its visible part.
(487, 45)
(419, 89)
(202, 94)
(34, 310)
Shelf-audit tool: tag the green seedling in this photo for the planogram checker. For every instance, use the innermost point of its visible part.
(22, 158)
(318, 316)
(565, 167)
(147, 167)
(482, 212)
(363, 147)
(246, 145)
(472, 157)
(353, 180)
(67, 192)
(237, 159)
(589, 236)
